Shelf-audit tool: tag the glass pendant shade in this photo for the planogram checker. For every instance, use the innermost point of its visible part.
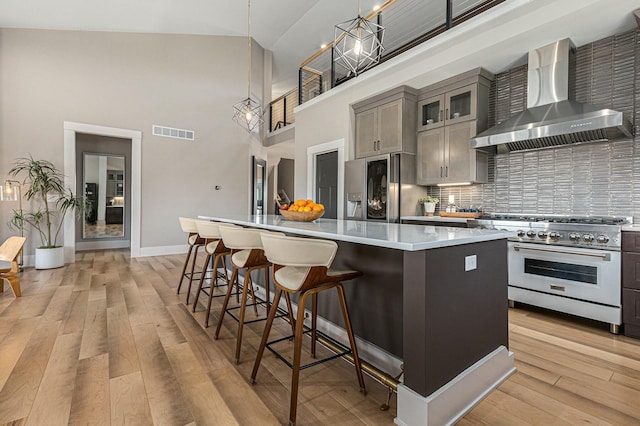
(358, 44)
(248, 113)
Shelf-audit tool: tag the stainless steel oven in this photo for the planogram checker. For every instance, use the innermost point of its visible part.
(564, 263)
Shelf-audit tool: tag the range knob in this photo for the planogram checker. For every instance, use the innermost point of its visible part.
(520, 233)
(555, 235)
(531, 234)
(574, 237)
(602, 239)
(588, 238)
(542, 234)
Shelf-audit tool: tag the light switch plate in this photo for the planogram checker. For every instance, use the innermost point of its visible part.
(470, 262)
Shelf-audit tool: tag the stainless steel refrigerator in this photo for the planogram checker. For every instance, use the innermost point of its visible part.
(381, 188)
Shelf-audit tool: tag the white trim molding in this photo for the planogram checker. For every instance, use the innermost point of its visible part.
(323, 148)
(70, 130)
(451, 402)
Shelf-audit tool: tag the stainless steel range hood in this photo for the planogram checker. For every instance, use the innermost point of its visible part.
(552, 117)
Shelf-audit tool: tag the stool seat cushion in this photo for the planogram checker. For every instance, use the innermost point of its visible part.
(5, 265)
(193, 239)
(240, 258)
(212, 246)
(293, 277)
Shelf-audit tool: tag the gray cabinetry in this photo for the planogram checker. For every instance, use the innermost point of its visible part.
(449, 114)
(631, 283)
(386, 123)
(444, 156)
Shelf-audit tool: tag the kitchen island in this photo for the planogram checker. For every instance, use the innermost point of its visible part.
(435, 297)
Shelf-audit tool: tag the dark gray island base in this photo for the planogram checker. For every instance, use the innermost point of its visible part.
(449, 325)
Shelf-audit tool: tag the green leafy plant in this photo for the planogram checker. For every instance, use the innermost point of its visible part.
(428, 199)
(43, 184)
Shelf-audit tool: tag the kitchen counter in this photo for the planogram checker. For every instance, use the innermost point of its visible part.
(433, 298)
(378, 234)
(634, 227)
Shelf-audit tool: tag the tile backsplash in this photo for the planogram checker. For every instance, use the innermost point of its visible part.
(590, 179)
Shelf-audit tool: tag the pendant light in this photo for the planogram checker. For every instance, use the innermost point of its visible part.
(358, 44)
(248, 113)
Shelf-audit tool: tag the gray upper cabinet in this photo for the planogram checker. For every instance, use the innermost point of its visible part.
(386, 123)
(449, 114)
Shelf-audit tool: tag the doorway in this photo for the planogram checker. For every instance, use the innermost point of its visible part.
(103, 168)
(327, 183)
(71, 129)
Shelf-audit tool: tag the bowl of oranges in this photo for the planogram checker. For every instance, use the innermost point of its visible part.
(302, 211)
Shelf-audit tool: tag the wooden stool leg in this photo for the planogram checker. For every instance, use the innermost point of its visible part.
(253, 295)
(184, 268)
(314, 317)
(234, 275)
(292, 321)
(297, 348)
(265, 334)
(266, 287)
(243, 307)
(224, 264)
(193, 267)
(204, 270)
(352, 340)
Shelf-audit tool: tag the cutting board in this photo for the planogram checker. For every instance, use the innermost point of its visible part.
(461, 214)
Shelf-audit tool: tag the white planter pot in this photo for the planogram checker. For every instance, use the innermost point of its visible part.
(429, 209)
(49, 258)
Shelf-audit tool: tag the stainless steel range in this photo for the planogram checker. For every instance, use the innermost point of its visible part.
(566, 263)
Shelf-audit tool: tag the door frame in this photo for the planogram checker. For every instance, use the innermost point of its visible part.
(70, 130)
(323, 148)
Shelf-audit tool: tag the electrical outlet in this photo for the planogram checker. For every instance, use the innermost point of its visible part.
(470, 262)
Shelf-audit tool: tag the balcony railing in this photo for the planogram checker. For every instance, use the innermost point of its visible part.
(407, 23)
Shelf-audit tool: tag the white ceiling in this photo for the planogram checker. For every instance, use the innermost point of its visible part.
(292, 29)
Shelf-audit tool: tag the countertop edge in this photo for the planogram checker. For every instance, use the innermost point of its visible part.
(487, 235)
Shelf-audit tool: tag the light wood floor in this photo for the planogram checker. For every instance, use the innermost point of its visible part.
(106, 340)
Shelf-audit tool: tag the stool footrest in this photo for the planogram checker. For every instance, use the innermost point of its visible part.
(228, 310)
(345, 350)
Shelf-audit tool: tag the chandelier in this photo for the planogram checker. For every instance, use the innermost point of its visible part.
(358, 44)
(248, 112)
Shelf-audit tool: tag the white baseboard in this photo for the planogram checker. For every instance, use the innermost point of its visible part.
(163, 250)
(452, 401)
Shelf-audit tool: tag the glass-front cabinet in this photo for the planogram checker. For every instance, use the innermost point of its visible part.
(451, 107)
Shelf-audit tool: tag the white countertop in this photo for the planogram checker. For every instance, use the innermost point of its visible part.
(632, 227)
(380, 234)
(435, 219)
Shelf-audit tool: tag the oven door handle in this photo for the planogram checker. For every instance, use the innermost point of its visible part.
(603, 256)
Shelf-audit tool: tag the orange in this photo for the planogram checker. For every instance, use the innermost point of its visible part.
(310, 202)
(293, 208)
(307, 209)
(301, 203)
(321, 206)
(317, 208)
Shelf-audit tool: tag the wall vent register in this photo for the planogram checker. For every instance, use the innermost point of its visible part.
(170, 132)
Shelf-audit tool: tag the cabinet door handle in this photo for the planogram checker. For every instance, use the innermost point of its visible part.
(446, 116)
(446, 171)
(374, 145)
(440, 116)
(378, 145)
(440, 171)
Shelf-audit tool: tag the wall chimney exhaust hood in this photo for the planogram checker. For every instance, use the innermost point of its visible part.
(552, 117)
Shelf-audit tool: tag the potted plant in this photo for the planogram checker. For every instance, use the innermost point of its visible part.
(43, 185)
(429, 204)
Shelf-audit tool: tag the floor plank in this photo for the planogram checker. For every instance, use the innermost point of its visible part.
(129, 404)
(91, 397)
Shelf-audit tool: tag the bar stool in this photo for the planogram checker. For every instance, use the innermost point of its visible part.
(195, 242)
(301, 265)
(214, 247)
(246, 252)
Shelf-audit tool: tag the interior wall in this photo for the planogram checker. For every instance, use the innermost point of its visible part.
(133, 81)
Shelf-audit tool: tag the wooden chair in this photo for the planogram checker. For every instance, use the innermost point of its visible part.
(194, 240)
(9, 251)
(302, 266)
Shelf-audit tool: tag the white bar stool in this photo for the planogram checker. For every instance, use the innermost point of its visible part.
(246, 252)
(301, 265)
(214, 247)
(195, 242)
